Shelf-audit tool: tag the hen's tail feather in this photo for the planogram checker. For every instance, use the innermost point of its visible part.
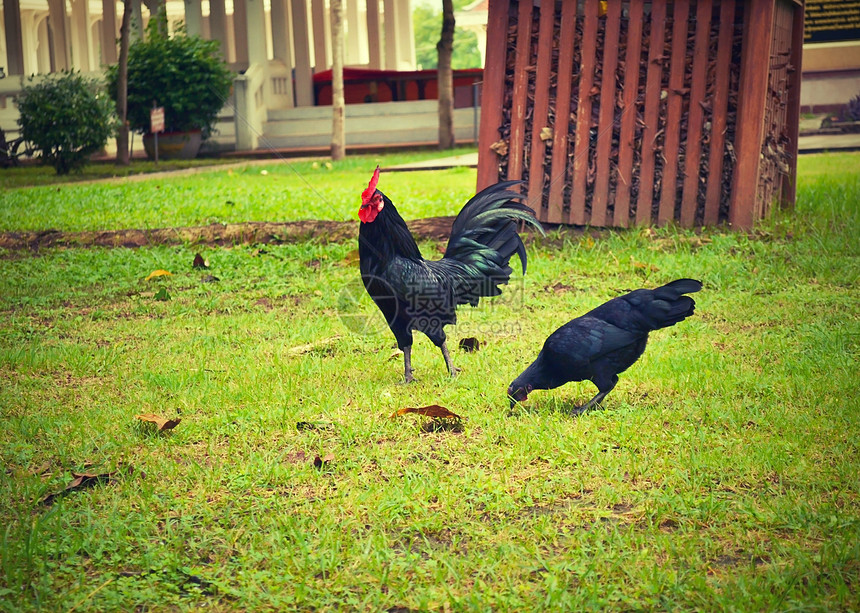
(670, 305)
(677, 288)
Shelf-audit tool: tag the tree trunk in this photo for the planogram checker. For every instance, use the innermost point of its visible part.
(445, 77)
(122, 86)
(338, 132)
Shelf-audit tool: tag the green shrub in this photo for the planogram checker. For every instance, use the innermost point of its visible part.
(184, 74)
(65, 117)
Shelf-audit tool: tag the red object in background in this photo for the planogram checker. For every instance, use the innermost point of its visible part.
(364, 86)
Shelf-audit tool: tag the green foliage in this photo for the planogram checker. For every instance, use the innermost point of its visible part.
(185, 74)
(427, 24)
(66, 117)
(272, 191)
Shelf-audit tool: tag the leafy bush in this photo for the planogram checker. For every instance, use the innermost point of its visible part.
(852, 109)
(184, 74)
(66, 118)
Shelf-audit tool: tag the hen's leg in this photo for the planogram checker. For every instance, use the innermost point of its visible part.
(448, 362)
(407, 365)
(604, 386)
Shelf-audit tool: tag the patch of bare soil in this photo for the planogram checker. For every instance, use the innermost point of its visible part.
(214, 234)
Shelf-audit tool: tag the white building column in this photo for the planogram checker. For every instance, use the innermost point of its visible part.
(405, 36)
(322, 36)
(29, 41)
(109, 32)
(301, 45)
(14, 40)
(241, 32)
(193, 17)
(135, 31)
(353, 34)
(392, 44)
(282, 44)
(218, 26)
(374, 35)
(255, 24)
(57, 26)
(43, 46)
(82, 52)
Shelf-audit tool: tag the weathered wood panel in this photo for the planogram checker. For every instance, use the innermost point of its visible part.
(621, 112)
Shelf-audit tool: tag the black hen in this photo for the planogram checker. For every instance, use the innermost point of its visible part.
(417, 294)
(605, 341)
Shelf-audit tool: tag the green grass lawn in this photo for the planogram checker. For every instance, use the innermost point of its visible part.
(722, 475)
(277, 190)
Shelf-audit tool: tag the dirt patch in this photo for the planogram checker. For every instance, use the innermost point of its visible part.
(214, 234)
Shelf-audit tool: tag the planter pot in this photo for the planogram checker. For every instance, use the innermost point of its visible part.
(173, 145)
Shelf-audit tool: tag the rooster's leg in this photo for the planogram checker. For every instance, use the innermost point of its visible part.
(407, 365)
(448, 362)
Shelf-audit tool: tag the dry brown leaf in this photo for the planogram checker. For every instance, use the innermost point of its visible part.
(643, 265)
(351, 257)
(546, 133)
(396, 354)
(199, 262)
(319, 462)
(295, 457)
(500, 147)
(158, 273)
(162, 423)
(470, 344)
(434, 410)
(307, 348)
(80, 481)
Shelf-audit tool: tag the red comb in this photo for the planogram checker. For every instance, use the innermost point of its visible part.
(371, 187)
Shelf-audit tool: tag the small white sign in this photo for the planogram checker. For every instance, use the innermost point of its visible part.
(156, 120)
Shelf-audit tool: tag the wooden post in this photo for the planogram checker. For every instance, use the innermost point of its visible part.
(674, 108)
(653, 79)
(492, 93)
(690, 194)
(541, 105)
(752, 91)
(582, 145)
(560, 140)
(521, 86)
(606, 120)
(721, 102)
(627, 143)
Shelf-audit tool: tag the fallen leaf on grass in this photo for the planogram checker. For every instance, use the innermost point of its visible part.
(161, 423)
(158, 273)
(209, 279)
(319, 462)
(442, 425)
(434, 410)
(351, 257)
(301, 426)
(303, 349)
(199, 262)
(295, 457)
(643, 265)
(470, 344)
(396, 354)
(80, 481)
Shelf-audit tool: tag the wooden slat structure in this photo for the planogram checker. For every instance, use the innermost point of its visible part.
(646, 112)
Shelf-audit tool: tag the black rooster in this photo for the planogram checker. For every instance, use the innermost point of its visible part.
(417, 294)
(605, 341)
